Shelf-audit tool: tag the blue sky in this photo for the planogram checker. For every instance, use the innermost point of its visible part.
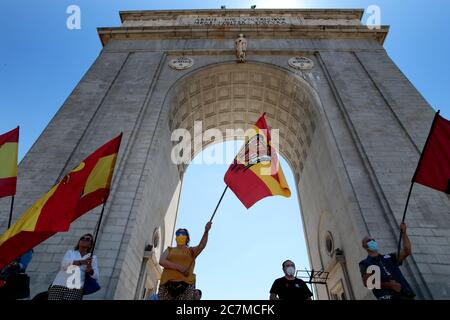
(41, 61)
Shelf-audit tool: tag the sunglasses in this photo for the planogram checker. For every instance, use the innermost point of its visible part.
(181, 233)
(86, 238)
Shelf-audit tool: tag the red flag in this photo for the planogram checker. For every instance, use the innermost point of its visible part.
(256, 172)
(433, 169)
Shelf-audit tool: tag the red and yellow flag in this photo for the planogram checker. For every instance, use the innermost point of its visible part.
(55, 210)
(98, 184)
(256, 172)
(9, 148)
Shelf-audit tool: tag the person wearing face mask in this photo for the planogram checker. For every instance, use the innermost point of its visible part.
(393, 285)
(289, 287)
(178, 278)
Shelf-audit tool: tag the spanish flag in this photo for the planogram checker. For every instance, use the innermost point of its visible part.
(55, 210)
(256, 172)
(9, 147)
(98, 184)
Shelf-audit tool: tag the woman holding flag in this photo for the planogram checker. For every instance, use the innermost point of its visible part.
(254, 174)
(76, 263)
(178, 278)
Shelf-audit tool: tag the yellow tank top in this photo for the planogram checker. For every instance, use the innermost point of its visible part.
(181, 256)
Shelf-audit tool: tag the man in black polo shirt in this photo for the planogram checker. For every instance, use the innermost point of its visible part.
(289, 287)
(393, 285)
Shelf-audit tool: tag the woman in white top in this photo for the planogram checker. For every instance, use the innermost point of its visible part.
(68, 284)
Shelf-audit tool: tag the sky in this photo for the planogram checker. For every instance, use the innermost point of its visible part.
(41, 61)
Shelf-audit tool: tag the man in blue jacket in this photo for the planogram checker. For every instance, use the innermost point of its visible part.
(393, 285)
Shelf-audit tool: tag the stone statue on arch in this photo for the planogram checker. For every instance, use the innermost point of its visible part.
(241, 48)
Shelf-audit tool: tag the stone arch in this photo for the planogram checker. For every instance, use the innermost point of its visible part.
(233, 96)
(349, 169)
(227, 95)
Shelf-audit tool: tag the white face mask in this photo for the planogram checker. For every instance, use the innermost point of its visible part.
(290, 271)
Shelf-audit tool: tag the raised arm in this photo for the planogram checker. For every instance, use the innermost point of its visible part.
(406, 251)
(198, 249)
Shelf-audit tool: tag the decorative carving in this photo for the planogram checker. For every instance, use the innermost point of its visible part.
(181, 63)
(241, 48)
(301, 63)
(239, 21)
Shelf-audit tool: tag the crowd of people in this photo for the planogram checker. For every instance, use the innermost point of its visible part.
(78, 274)
(178, 278)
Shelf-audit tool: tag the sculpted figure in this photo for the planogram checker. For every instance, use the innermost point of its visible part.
(241, 48)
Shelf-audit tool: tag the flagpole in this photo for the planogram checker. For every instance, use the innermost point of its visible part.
(210, 220)
(403, 219)
(98, 229)
(220, 200)
(11, 212)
